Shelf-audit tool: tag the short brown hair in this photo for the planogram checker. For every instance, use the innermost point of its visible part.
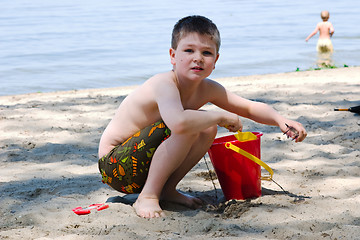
(197, 24)
(325, 15)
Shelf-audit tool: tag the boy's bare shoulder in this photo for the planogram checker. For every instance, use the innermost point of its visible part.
(327, 23)
(212, 84)
(163, 76)
(159, 80)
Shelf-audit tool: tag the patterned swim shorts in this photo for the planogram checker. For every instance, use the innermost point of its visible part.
(126, 166)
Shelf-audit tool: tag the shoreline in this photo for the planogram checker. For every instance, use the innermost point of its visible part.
(49, 166)
(128, 88)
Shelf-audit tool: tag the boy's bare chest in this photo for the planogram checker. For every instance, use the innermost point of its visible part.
(194, 101)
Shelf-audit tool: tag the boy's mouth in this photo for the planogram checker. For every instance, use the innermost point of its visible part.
(197, 68)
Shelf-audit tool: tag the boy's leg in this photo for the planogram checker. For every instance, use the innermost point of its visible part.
(170, 163)
(198, 150)
(125, 167)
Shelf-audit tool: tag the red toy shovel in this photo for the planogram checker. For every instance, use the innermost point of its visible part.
(87, 210)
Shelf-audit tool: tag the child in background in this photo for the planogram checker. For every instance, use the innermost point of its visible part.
(159, 133)
(326, 30)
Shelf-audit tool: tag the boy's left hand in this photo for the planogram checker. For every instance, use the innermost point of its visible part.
(294, 130)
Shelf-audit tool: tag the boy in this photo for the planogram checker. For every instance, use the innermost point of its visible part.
(326, 30)
(160, 122)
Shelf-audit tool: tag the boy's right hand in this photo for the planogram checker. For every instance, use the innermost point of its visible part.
(231, 122)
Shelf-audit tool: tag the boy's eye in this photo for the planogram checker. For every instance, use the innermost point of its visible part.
(188, 50)
(207, 53)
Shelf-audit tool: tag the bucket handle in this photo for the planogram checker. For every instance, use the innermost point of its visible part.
(231, 146)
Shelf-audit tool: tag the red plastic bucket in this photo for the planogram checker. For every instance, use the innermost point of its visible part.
(239, 177)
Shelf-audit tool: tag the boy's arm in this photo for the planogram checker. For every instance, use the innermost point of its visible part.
(263, 113)
(181, 120)
(313, 32)
(332, 30)
(256, 111)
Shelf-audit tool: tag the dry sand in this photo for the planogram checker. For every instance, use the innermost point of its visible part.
(49, 166)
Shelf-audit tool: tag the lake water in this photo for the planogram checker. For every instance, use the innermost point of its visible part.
(65, 44)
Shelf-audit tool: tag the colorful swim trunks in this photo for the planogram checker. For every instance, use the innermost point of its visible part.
(126, 166)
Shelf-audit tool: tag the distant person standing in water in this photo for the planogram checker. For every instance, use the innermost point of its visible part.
(326, 30)
(324, 45)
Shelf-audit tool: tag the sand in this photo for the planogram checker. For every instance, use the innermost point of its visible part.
(48, 157)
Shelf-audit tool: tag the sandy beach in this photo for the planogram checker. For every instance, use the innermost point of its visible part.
(48, 157)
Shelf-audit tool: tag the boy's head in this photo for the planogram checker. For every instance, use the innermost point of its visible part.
(325, 15)
(195, 24)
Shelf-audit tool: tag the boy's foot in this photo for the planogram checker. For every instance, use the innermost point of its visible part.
(148, 208)
(183, 199)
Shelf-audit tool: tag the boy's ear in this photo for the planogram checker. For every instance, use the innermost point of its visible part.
(172, 56)
(217, 58)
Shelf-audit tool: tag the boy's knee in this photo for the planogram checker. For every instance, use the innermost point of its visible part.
(211, 131)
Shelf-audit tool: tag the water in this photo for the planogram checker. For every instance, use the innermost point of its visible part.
(64, 45)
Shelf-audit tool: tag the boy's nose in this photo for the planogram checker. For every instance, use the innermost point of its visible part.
(197, 57)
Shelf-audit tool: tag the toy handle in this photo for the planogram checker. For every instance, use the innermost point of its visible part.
(231, 146)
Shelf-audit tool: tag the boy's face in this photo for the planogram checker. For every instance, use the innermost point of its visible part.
(195, 56)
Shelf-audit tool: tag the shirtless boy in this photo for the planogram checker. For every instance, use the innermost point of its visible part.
(158, 132)
(326, 30)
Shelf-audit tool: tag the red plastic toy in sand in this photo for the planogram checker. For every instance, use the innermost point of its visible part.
(87, 210)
